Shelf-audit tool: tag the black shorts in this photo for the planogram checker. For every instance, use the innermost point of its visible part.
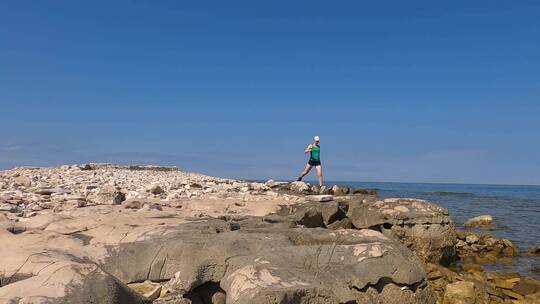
(314, 163)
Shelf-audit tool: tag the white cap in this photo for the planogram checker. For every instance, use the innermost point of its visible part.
(316, 138)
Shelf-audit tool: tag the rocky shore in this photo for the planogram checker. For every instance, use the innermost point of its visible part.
(102, 233)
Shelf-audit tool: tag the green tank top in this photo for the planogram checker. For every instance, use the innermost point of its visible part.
(315, 153)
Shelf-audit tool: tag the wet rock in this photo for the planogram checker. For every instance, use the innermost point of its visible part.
(365, 191)
(484, 248)
(534, 250)
(460, 293)
(482, 221)
(147, 289)
(526, 286)
(529, 299)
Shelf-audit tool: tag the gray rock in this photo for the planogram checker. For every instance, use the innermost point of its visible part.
(9, 208)
(45, 191)
(340, 190)
(253, 264)
(365, 191)
(320, 198)
(424, 227)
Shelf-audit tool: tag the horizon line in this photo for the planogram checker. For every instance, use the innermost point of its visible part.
(284, 179)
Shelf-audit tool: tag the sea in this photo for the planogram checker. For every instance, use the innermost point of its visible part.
(516, 210)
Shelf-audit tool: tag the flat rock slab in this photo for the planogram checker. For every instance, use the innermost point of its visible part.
(320, 198)
(252, 260)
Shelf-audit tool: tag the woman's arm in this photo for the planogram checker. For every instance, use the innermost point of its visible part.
(308, 149)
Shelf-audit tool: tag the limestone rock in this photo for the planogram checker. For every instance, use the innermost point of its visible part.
(156, 189)
(484, 248)
(340, 190)
(133, 203)
(472, 239)
(314, 214)
(324, 190)
(250, 259)
(300, 187)
(24, 181)
(252, 264)
(459, 293)
(320, 198)
(526, 286)
(424, 227)
(482, 221)
(9, 208)
(148, 289)
(107, 195)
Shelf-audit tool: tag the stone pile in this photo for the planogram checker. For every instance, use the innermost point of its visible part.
(484, 249)
(469, 283)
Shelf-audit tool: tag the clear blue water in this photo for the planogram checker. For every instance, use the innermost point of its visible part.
(516, 210)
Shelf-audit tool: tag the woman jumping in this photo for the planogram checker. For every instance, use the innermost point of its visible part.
(314, 160)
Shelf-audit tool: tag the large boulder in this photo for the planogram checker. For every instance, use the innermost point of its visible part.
(251, 260)
(424, 227)
(47, 267)
(254, 264)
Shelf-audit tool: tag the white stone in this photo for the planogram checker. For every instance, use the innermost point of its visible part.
(320, 198)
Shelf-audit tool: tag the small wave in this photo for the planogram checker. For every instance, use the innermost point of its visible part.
(448, 193)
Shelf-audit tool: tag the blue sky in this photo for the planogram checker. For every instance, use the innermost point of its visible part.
(398, 90)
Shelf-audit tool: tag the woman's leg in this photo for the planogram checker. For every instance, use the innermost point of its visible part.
(319, 173)
(306, 171)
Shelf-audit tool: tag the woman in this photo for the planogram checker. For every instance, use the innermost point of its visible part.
(314, 151)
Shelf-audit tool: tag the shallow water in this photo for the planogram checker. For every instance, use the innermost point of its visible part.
(516, 210)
